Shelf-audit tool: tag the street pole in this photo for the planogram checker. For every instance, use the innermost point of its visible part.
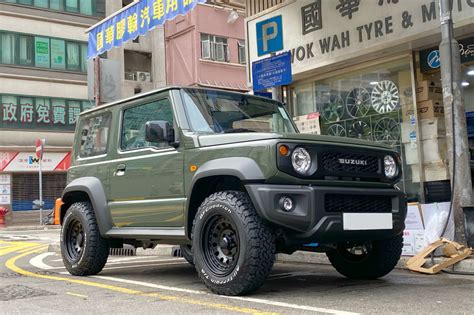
(41, 188)
(455, 116)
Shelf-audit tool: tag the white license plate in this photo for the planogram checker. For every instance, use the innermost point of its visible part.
(367, 221)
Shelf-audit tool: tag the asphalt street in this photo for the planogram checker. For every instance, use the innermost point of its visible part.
(34, 281)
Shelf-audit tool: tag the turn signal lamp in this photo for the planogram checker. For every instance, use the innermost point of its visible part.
(283, 150)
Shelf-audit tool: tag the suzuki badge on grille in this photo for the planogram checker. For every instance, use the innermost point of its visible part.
(353, 162)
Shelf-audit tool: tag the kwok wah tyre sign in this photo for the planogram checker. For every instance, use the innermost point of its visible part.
(28, 162)
(136, 19)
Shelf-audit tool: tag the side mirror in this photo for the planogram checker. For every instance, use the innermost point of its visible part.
(159, 131)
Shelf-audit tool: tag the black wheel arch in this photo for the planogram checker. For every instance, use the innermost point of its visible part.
(88, 189)
(219, 175)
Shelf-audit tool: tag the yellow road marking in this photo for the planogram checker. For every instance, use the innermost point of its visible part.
(10, 264)
(16, 247)
(77, 294)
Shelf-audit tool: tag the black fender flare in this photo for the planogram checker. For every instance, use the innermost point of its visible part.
(244, 168)
(92, 186)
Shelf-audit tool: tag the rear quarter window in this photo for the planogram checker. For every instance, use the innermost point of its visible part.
(95, 135)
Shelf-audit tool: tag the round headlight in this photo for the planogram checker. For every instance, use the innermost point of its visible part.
(301, 160)
(390, 166)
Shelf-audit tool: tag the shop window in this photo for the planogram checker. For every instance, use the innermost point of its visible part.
(58, 54)
(134, 120)
(7, 48)
(374, 104)
(42, 52)
(41, 3)
(241, 48)
(95, 133)
(26, 50)
(214, 48)
(72, 56)
(72, 6)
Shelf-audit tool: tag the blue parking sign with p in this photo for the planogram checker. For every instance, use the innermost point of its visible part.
(269, 36)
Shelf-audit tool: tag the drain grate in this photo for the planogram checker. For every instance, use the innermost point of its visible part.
(16, 292)
(176, 251)
(126, 250)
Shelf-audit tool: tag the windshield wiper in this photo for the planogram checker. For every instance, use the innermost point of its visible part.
(236, 130)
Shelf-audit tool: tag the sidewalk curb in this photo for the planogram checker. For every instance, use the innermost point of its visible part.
(466, 265)
(30, 228)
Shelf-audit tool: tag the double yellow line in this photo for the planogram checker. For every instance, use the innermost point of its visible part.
(25, 248)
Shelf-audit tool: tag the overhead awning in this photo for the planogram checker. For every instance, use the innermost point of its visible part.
(136, 19)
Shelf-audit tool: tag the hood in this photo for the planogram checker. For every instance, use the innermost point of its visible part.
(228, 138)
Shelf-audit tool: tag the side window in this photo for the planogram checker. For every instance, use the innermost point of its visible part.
(94, 135)
(134, 120)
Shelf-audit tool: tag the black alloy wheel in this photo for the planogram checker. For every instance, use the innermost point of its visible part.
(220, 245)
(74, 241)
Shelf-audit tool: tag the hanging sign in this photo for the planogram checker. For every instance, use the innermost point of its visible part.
(137, 19)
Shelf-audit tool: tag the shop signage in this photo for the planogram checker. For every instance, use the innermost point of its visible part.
(44, 114)
(429, 58)
(42, 52)
(27, 161)
(5, 189)
(58, 54)
(269, 36)
(319, 33)
(137, 19)
(272, 71)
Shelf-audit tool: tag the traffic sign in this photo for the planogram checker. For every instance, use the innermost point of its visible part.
(39, 143)
(272, 71)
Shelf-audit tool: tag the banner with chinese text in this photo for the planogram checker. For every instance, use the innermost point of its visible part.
(138, 19)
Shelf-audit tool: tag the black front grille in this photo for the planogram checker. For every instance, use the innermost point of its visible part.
(357, 203)
(355, 164)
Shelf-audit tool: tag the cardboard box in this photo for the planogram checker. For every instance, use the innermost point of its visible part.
(428, 90)
(433, 172)
(430, 109)
(413, 242)
(434, 151)
(432, 128)
(308, 123)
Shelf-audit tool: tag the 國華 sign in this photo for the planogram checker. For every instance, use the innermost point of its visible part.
(139, 18)
(27, 161)
(272, 71)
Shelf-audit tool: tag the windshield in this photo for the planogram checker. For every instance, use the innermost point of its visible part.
(211, 111)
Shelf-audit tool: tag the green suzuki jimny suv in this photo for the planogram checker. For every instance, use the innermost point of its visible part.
(228, 177)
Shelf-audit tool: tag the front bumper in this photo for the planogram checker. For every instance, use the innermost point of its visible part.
(318, 217)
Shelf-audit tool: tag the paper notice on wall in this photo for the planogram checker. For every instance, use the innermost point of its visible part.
(413, 220)
(4, 199)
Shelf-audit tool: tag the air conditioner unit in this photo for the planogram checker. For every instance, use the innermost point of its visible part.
(130, 76)
(143, 76)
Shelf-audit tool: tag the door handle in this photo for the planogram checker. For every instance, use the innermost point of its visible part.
(120, 170)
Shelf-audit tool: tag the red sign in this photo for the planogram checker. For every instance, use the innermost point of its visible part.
(39, 148)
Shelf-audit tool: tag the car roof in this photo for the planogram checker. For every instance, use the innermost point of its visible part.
(167, 88)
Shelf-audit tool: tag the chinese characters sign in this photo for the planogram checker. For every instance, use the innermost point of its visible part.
(138, 19)
(27, 161)
(52, 114)
(273, 71)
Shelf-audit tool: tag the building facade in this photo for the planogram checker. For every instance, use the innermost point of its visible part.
(43, 88)
(207, 47)
(371, 71)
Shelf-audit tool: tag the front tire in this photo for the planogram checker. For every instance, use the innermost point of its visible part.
(83, 250)
(367, 261)
(233, 249)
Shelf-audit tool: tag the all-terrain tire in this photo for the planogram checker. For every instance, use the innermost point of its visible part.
(89, 253)
(381, 258)
(253, 239)
(187, 253)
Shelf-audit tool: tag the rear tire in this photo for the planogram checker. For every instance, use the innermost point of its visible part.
(369, 261)
(83, 250)
(233, 249)
(187, 252)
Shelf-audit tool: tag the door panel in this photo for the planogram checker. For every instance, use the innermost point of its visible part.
(147, 180)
